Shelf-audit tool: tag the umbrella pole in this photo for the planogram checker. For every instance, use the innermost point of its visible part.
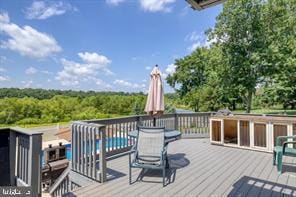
(154, 121)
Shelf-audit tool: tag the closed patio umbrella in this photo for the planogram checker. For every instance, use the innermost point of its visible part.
(155, 101)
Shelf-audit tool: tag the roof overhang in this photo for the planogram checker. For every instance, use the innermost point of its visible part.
(202, 4)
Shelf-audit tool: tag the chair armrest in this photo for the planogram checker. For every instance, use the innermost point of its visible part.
(164, 152)
(133, 149)
(279, 138)
(165, 149)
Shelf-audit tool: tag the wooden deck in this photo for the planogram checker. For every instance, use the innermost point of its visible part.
(201, 169)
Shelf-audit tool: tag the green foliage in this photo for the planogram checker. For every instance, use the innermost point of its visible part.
(197, 76)
(65, 108)
(280, 24)
(252, 60)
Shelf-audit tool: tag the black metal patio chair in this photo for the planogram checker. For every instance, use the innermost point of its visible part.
(149, 151)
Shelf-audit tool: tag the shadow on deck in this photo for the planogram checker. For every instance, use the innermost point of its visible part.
(201, 169)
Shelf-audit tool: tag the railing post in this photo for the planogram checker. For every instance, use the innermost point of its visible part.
(73, 147)
(34, 167)
(176, 121)
(12, 155)
(138, 120)
(103, 166)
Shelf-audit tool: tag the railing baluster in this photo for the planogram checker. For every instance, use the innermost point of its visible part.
(116, 137)
(84, 150)
(94, 153)
(23, 158)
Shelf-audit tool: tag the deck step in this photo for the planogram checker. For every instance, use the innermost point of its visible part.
(80, 179)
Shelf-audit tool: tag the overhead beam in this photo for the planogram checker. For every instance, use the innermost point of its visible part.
(202, 4)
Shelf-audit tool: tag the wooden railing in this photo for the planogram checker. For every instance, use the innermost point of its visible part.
(61, 185)
(24, 158)
(96, 141)
(89, 142)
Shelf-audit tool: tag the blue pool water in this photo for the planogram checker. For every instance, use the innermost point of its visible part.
(111, 142)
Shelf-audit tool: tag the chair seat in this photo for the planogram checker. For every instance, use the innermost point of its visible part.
(148, 160)
(146, 165)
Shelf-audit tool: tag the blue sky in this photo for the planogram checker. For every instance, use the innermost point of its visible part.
(101, 45)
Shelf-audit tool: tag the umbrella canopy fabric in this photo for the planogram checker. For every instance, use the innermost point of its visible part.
(155, 101)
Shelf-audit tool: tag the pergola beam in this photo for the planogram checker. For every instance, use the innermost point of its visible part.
(202, 4)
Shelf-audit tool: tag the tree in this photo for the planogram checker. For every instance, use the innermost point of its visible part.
(239, 29)
(196, 78)
(280, 25)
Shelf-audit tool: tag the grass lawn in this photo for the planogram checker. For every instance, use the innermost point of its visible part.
(34, 125)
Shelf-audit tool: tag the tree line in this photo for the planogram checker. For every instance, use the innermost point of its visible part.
(252, 60)
(47, 94)
(37, 106)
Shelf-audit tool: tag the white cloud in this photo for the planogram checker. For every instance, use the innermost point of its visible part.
(89, 69)
(128, 84)
(194, 46)
(2, 69)
(4, 18)
(114, 2)
(27, 83)
(4, 78)
(148, 67)
(137, 58)
(27, 40)
(44, 9)
(3, 59)
(47, 72)
(31, 70)
(156, 5)
(185, 10)
(171, 69)
(194, 36)
(94, 58)
(198, 40)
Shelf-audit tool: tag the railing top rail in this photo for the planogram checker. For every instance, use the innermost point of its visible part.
(87, 124)
(271, 115)
(25, 131)
(4, 129)
(195, 113)
(107, 120)
(142, 116)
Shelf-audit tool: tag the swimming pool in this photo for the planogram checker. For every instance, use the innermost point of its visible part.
(111, 142)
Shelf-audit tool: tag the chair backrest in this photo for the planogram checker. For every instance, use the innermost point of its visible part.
(150, 142)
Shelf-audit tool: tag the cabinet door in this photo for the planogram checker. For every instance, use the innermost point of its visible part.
(294, 132)
(279, 130)
(244, 133)
(260, 135)
(216, 130)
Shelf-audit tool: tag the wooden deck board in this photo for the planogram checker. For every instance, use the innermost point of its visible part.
(203, 170)
(231, 174)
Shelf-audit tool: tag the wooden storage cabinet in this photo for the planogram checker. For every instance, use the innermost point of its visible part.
(250, 131)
